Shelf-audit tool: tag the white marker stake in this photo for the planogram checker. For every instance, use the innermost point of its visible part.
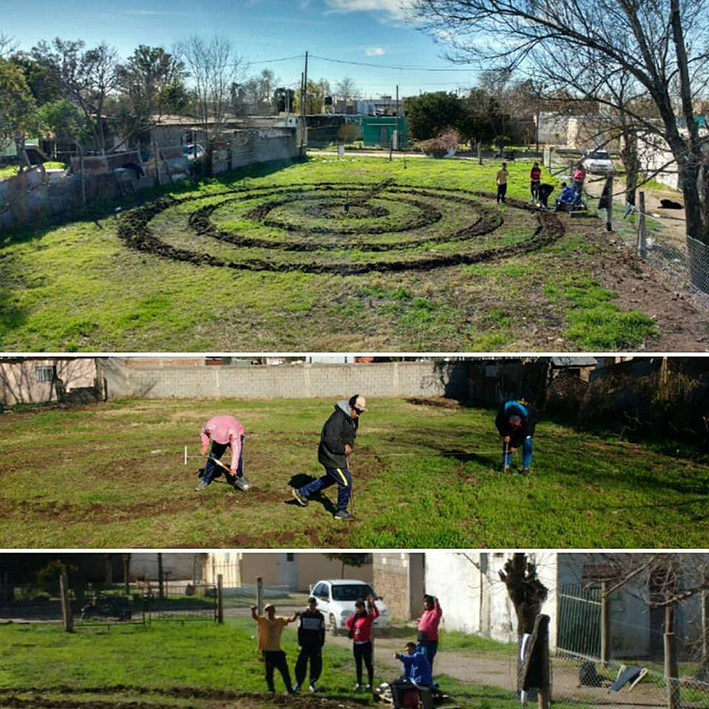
(185, 455)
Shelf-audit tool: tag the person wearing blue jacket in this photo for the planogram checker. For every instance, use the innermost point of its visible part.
(515, 422)
(567, 200)
(417, 674)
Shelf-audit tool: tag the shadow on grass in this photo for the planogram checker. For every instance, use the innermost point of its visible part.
(470, 457)
(301, 480)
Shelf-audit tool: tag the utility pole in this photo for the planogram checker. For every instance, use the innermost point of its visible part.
(398, 120)
(304, 130)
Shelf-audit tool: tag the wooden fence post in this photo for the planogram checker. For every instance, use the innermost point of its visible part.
(259, 594)
(605, 625)
(220, 599)
(642, 226)
(67, 618)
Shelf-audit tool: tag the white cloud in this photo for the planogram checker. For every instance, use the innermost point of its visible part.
(395, 9)
(374, 51)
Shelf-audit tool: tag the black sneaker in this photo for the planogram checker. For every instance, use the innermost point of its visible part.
(201, 485)
(302, 501)
(344, 515)
(525, 471)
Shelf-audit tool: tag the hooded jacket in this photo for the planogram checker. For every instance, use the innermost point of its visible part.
(338, 430)
(513, 408)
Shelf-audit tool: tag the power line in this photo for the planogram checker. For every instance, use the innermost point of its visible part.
(385, 66)
(271, 61)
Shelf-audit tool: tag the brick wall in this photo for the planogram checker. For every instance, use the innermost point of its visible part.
(147, 378)
(399, 579)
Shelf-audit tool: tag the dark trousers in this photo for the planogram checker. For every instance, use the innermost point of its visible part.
(212, 470)
(430, 649)
(314, 655)
(534, 188)
(341, 476)
(363, 653)
(276, 660)
(501, 192)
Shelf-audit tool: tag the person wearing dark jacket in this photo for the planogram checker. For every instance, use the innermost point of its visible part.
(516, 421)
(311, 638)
(336, 443)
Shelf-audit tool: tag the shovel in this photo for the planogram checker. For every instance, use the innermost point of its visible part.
(241, 483)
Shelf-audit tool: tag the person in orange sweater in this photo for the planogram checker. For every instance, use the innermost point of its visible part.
(270, 629)
(360, 627)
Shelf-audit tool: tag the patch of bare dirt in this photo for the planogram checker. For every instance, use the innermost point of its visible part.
(683, 327)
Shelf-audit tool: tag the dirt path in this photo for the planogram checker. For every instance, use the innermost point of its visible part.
(501, 671)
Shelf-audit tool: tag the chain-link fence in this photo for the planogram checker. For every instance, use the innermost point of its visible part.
(581, 677)
(656, 234)
(108, 604)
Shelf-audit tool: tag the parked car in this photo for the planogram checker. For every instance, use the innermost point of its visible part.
(336, 601)
(597, 161)
(193, 151)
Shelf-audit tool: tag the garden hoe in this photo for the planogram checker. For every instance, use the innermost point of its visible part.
(240, 482)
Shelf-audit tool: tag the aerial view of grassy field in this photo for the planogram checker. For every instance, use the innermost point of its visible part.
(331, 255)
(426, 474)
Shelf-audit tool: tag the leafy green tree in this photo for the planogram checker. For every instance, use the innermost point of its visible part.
(285, 99)
(430, 113)
(18, 109)
(151, 85)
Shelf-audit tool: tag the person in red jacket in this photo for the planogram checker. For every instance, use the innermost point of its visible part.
(360, 627)
(428, 627)
(535, 178)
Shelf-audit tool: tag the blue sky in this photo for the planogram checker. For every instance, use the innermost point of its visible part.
(355, 30)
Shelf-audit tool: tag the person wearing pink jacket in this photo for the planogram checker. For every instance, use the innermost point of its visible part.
(223, 432)
(428, 627)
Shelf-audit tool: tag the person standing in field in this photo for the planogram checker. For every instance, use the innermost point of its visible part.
(311, 638)
(535, 178)
(223, 432)
(516, 421)
(428, 627)
(501, 180)
(359, 626)
(270, 629)
(578, 176)
(336, 443)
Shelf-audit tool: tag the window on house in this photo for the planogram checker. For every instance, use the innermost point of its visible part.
(45, 374)
(290, 557)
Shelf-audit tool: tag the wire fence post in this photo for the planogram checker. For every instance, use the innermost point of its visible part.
(220, 599)
(605, 625)
(642, 227)
(259, 594)
(671, 668)
(609, 204)
(67, 619)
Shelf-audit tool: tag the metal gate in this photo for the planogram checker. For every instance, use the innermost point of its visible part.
(579, 620)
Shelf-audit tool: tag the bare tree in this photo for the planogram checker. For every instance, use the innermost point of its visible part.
(662, 45)
(8, 45)
(214, 68)
(346, 90)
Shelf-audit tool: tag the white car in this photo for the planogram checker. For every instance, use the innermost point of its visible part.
(598, 161)
(336, 601)
(193, 152)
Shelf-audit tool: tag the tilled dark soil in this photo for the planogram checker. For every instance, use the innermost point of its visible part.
(134, 229)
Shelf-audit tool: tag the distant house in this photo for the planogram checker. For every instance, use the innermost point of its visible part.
(476, 601)
(26, 380)
(294, 571)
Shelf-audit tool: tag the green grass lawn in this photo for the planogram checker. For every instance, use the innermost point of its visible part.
(197, 664)
(78, 286)
(112, 475)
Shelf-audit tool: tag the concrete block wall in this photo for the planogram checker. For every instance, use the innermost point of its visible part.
(399, 580)
(253, 146)
(426, 378)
